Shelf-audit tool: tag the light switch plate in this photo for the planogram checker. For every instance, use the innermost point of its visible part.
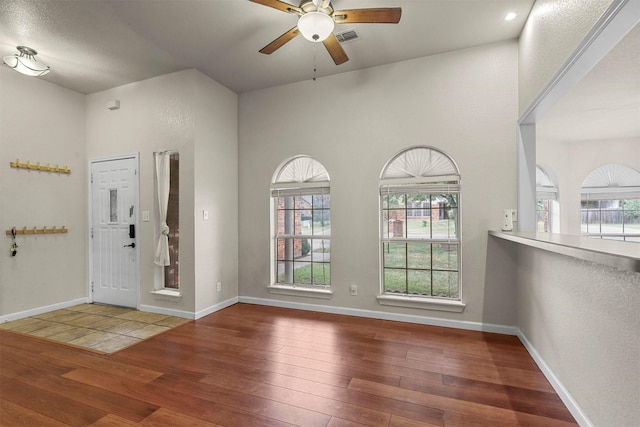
(145, 216)
(205, 215)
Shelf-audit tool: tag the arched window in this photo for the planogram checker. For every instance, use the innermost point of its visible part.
(420, 225)
(302, 224)
(610, 201)
(547, 206)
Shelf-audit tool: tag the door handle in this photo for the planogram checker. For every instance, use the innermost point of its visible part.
(133, 245)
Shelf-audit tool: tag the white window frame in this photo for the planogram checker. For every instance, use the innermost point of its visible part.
(547, 193)
(298, 176)
(421, 170)
(610, 182)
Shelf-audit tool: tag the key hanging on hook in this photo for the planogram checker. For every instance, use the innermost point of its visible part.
(14, 246)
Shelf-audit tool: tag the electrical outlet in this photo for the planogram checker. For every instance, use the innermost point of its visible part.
(219, 286)
(514, 215)
(354, 290)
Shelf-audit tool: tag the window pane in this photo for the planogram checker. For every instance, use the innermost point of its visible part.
(395, 200)
(445, 256)
(419, 282)
(302, 272)
(396, 222)
(320, 250)
(303, 221)
(172, 272)
(285, 249)
(321, 222)
(285, 220)
(301, 248)
(321, 273)
(285, 272)
(419, 255)
(445, 284)
(418, 227)
(113, 205)
(395, 280)
(394, 255)
(322, 201)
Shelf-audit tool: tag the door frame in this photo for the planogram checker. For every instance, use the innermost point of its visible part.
(136, 157)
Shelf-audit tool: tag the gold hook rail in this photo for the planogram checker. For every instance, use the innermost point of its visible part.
(39, 167)
(35, 230)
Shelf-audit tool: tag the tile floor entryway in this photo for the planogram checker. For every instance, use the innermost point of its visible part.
(99, 327)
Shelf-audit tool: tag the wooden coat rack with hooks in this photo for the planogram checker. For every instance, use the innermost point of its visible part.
(35, 230)
(39, 167)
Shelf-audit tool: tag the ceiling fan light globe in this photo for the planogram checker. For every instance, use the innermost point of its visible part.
(315, 26)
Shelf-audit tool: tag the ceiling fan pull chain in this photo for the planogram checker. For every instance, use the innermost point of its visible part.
(315, 50)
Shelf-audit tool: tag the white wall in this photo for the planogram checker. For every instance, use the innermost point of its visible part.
(572, 162)
(45, 123)
(583, 319)
(552, 32)
(191, 113)
(462, 102)
(216, 191)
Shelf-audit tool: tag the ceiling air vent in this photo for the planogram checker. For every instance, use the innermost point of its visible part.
(348, 36)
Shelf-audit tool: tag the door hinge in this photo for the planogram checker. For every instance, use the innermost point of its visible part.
(92, 177)
(92, 232)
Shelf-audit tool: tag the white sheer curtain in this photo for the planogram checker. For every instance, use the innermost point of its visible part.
(162, 178)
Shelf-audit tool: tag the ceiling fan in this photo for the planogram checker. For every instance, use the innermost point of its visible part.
(316, 21)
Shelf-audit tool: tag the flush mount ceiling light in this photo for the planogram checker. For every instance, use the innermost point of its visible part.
(315, 26)
(25, 62)
(510, 16)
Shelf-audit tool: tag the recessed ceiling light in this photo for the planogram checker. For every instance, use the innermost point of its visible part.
(510, 16)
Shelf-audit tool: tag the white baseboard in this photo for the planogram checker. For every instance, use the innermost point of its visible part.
(167, 311)
(40, 310)
(217, 307)
(563, 393)
(189, 314)
(372, 314)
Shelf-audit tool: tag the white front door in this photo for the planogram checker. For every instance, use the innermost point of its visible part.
(114, 212)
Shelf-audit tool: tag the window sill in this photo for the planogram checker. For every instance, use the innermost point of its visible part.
(167, 294)
(421, 302)
(300, 291)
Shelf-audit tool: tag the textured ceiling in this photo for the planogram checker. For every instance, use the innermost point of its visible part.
(604, 105)
(100, 44)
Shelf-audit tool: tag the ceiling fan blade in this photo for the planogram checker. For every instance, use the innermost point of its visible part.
(335, 49)
(280, 5)
(383, 15)
(280, 41)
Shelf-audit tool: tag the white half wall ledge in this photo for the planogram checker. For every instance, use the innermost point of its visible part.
(41, 310)
(612, 253)
(383, 315)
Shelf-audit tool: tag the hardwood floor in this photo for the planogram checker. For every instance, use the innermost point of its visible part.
(250, 365)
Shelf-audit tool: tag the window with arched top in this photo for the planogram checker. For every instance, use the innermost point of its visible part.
(301, 198)
(610, 203)
(420, 225)
(547, 206)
